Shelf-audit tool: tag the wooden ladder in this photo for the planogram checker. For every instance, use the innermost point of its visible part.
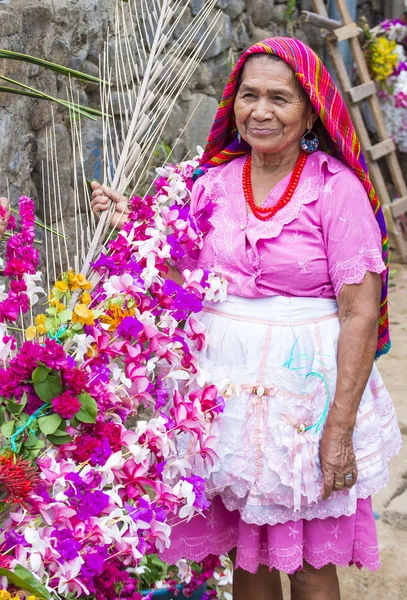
(348, 30)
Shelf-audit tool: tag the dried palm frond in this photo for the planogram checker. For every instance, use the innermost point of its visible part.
(149, 70)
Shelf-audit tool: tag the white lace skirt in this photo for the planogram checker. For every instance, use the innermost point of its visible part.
(275, 359)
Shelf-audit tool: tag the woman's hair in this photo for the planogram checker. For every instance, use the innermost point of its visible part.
(274, 58)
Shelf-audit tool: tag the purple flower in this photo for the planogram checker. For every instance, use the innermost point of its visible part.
(130, 327)
(183, 302)
(65, 544)
(401, 67)
(87, 501)
(199, 491)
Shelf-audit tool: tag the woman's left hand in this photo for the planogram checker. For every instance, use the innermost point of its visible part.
(337, 459)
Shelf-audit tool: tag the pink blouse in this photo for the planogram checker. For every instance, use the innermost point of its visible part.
(327, 235)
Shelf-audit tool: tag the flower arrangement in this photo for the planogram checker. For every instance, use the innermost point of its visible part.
(85, 501)
(385, 50)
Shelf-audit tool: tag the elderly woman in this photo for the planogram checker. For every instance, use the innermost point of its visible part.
(308, 426)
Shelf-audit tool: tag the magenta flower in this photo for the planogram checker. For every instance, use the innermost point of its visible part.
(66, 405)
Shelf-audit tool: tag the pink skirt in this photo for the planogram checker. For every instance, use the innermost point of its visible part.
(275, 361)
(341, 541)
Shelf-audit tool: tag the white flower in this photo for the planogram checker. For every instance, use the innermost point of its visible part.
(121, 284)
(396, 31)
(180, 466)
(217, 291)
(150, 271)
(32, 288)
(224, 578)
(185, 491)
(5, 349)
(84, 342)
(119, 376)
(184, 571)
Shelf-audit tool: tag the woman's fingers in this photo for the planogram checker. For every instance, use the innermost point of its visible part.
(338, 461)
(350, 482)
(4, 214)
(328, 485)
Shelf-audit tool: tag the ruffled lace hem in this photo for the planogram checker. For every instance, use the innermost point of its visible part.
(354, 270)
(342, 541)
(361, 556)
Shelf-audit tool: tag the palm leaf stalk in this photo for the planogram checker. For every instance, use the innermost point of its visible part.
(91, 113)
(40, 62)
(147, 101)
(149, 74)
(39, 223)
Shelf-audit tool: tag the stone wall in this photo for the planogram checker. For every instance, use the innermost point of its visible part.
(72, 32)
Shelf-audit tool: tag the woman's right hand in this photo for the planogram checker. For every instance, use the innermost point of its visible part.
(101, 197)
(4, 214)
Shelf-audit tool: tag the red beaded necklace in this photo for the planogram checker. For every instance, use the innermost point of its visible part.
(265, 213)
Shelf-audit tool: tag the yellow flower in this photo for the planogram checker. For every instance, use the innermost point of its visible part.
(82, 314)
(5, 595)
(57, 304)
(86, 298)
(76, 280)
(40, 323)
(61, 286)
(116, 316)
(31, 598)
(383, 58)
(30, 333)
(73, 285)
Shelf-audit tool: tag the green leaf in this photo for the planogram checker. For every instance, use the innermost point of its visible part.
(88, 404)
(74, 421)
(50, 65)
(58, 440)
(2, 411)
(7, 429)
(85, 417)
(51, 310)
(49, 389)
(65, 315)
(49, 424)
(77, 327)
(59, 432)
(15, 408)
(40, 374)
(31, 440)
(23, 579)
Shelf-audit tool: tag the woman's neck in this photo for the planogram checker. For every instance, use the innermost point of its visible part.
(275, 162)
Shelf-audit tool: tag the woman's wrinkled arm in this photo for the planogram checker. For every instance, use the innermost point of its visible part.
(358, 315)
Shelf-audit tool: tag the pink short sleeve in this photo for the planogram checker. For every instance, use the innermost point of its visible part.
(350, 230)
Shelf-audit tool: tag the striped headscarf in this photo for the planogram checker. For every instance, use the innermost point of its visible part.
(334, 128)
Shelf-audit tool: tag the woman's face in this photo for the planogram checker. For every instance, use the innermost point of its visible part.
(271, 112)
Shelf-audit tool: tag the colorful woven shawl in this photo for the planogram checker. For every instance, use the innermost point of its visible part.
(334, 128)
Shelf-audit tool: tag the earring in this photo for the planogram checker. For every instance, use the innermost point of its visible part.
(239, 137)
(309, 141)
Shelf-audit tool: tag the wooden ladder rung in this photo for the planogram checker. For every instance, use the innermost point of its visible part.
(346, 32)
(320, 21)
(381, 149)
(399, 207)
(362, 91)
